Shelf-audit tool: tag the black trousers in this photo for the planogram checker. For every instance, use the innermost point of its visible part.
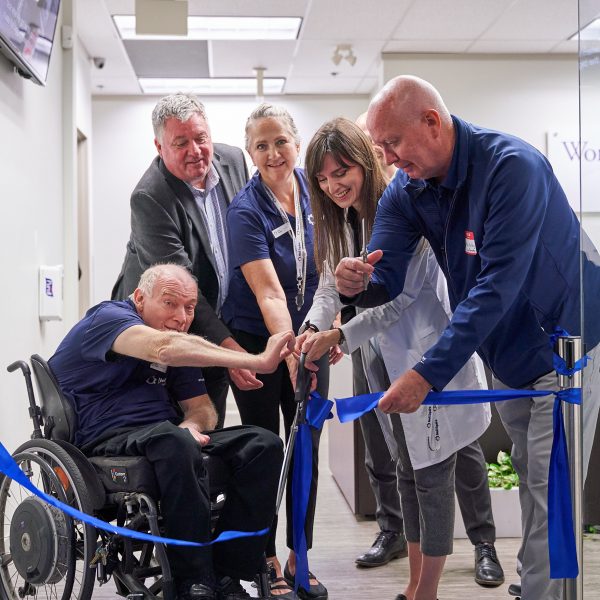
(261, 407)
(216, 380)
(254, 457)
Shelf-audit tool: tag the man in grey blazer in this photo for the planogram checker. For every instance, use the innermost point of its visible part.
(178, 216)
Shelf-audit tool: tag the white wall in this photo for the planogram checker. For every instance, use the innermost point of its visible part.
(31, 227)
(32, 224)
(527, 96)
(123, 148)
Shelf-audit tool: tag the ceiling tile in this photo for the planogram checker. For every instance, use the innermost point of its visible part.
(368, 85)
(345, 21)
(456, 20)
(238, 59)
(427, 46)
(535, 20)
(313, 59)
(511, 47)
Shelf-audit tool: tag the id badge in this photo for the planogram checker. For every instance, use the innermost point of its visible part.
(279, 231)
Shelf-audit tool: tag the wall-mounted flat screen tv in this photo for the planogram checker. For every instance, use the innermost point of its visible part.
(27, 29)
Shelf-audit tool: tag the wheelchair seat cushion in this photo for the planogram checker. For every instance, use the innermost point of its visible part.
(126, 474)
(135, 474)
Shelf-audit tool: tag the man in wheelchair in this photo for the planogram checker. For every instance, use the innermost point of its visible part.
(122, 367)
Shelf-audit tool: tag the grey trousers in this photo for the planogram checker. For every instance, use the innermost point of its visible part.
(427, 498)
(528, 422)
(472, 488)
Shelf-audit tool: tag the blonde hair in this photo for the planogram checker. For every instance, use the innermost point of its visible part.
(265, 111)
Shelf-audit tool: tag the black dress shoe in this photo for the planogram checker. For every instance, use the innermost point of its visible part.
(195, 591)
(514, 589)
(387, 546)
(488, 571)
(315, 592)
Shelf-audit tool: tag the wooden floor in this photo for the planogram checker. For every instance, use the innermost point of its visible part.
(339, 538)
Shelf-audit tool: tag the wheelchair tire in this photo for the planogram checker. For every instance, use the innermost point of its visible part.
(54, 565)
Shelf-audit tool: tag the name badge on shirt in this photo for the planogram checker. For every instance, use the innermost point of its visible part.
(470, 243)
(157, 367)
(279, 231)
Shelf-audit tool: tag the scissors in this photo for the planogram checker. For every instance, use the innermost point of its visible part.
(363, 251)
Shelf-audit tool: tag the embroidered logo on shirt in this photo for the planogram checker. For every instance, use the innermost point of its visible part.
(470, 243)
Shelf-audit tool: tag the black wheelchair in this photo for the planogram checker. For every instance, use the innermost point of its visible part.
(45, 553)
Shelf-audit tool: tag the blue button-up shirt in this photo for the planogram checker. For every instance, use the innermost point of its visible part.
(213, 208)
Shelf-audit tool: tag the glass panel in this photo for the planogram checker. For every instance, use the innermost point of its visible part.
(589, 171)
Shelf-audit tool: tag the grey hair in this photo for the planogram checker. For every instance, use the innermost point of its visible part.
(152, 274)
(181, 106)
(266, 110)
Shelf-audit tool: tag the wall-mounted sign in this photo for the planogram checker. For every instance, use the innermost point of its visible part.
(566, 153)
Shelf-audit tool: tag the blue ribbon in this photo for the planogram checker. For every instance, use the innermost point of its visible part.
(10, 468)
(561, 536)
(317, 411)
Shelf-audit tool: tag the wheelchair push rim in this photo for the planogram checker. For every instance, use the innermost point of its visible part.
(45, 554)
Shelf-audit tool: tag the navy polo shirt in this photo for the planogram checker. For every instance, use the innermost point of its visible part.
(109, 390)
(251, 220)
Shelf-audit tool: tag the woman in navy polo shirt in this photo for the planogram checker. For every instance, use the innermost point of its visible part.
(273, 281)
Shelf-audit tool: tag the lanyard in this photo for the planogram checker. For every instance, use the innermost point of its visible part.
(298, 241)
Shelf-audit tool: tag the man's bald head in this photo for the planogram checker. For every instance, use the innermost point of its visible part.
(408, 97)
(410, 121)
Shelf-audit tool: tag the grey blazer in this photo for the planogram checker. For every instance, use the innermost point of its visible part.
(167, 226)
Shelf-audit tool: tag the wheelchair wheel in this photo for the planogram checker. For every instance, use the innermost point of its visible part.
(44, 553)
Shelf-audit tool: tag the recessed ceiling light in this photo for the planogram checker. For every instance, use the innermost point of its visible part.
(589, 33)
(217, 85)
(221, 28)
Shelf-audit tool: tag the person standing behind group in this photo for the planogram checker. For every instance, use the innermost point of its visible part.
(273, 281)
(345, 182)
(178, 216)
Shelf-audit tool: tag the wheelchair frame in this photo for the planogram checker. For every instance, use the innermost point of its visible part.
(45, 553)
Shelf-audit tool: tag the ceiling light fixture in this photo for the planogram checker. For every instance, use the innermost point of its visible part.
(343, 52)
(215, 85)
(221, 28)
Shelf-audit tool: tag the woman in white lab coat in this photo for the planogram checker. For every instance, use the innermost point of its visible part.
(343, 177)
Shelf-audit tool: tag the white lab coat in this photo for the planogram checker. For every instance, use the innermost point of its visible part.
(402, 331)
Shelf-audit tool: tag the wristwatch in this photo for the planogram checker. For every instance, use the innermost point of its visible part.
(342, 336)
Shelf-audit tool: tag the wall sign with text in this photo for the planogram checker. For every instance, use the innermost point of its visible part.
(565, 153)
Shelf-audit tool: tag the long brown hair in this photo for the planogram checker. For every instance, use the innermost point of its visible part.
(347, 144)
